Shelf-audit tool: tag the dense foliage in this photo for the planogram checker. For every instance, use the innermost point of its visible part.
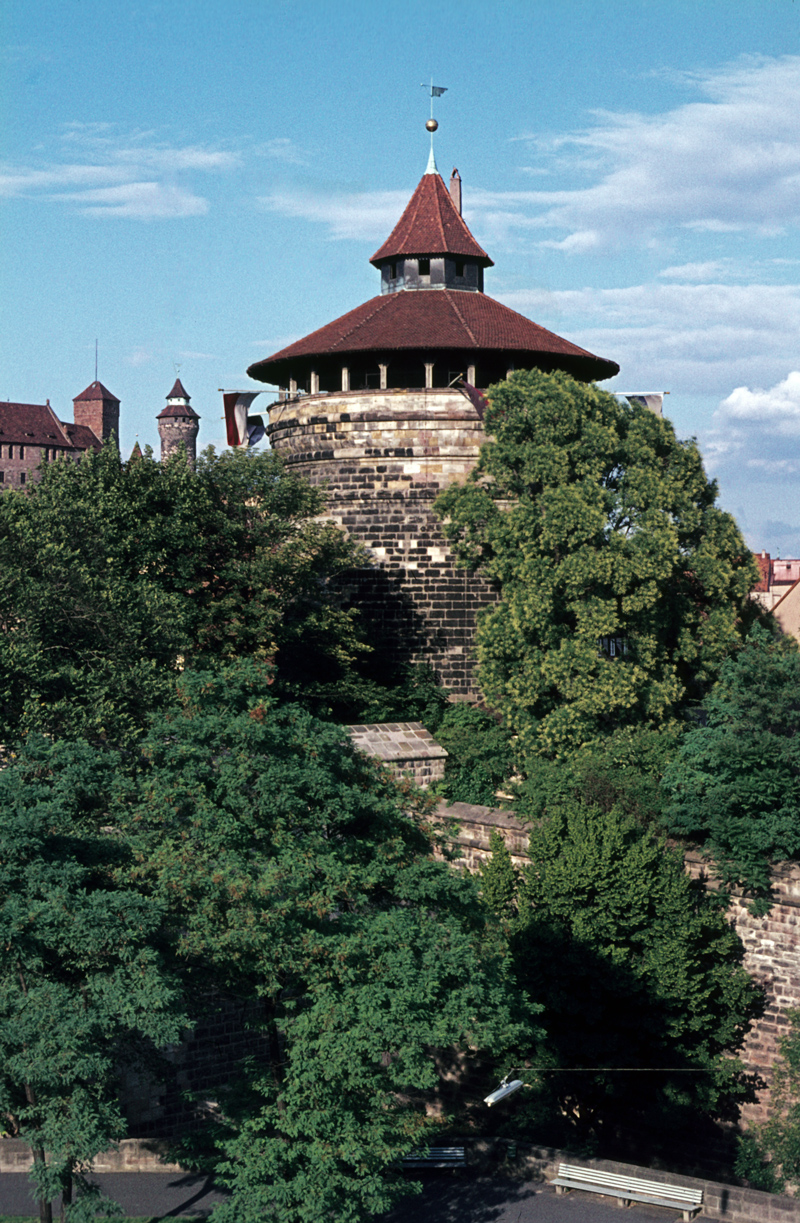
(734, 787)
(114, 576)
(621, 579)
(292, 870)
(639, 974)
(778, 1141)
(82, 979)
(250, 845)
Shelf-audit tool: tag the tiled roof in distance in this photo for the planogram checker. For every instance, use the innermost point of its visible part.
(82, 437)
(30, 424)
(179, 391)
(436, 319)
(95, 391)
(431, 225)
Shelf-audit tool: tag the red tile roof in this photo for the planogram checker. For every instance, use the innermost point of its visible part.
(82, 437)
(30, 424)
(431, 320)
(95, 391)
(36, 424)
(178, 409)
(178, 391)
(431, 225)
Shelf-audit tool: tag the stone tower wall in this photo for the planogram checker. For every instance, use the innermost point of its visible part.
(385, 456)
(99, 415)
(176, 431)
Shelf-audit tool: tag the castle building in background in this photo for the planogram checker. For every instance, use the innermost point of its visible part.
(382, 406)
(31, 434)
(778, 590)
(178, 425)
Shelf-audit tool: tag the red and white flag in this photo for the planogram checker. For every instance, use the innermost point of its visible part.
(237, 405)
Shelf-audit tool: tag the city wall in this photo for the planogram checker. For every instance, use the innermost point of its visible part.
(771, 943)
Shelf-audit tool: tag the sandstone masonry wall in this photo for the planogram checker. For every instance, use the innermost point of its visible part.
(385, 456)
(771, 943)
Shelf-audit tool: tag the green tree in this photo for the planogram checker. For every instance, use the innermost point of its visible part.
(779, 1138)
(114, 576)
(81, 978)
(621, 581)
(499, 878)
(734, 787)
(294, 873)
(640, 977)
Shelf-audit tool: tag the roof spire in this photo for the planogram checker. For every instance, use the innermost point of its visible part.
(436, 92)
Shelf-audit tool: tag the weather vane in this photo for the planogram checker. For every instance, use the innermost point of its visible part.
(436, 91)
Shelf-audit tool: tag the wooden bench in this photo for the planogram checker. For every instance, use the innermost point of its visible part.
(627, 1189)
(436, 1157)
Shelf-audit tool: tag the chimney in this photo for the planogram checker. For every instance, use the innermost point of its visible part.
(455, 189)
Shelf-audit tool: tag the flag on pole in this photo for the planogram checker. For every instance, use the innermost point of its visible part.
(653, 401)
(438, 90)
(240, 430)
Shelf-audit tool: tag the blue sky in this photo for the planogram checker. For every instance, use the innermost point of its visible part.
(196, 184)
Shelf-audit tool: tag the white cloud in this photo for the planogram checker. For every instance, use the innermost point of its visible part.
(695, 271)
(284, 149)
(360, 215)
(758, 429)
(140, 201)
(136, 176)
(692, 338)
(140, 356)
(729, 163)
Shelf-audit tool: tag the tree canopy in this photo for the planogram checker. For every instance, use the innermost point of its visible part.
(114, 576)
(621, 581)
(640, 977)
(247, 844)
(82, 978)
(734, 786)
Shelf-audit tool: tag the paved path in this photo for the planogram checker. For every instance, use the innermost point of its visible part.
(449, 1198)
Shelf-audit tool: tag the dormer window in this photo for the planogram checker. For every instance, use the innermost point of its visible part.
(459, 267)
(393, 271)
(424, 267)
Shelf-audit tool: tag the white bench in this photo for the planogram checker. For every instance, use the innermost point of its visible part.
(627, 1189)
(436, 1157)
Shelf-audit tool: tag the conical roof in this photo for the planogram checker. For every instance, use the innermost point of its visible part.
(178, 403)
(179, 391)
(444, 320)
(425, 319)
(431, 225)
(94, 391)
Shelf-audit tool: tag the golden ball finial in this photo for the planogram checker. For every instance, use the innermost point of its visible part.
(431, 125)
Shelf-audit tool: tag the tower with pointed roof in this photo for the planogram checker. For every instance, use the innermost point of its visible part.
(97, 409)
(178, 425)
(382, 406)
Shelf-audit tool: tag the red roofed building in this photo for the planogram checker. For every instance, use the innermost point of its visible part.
(381, 406)
(178, 425)
(31, 434)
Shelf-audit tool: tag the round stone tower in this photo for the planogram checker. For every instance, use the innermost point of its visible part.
(382, 405)
(178, 425)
